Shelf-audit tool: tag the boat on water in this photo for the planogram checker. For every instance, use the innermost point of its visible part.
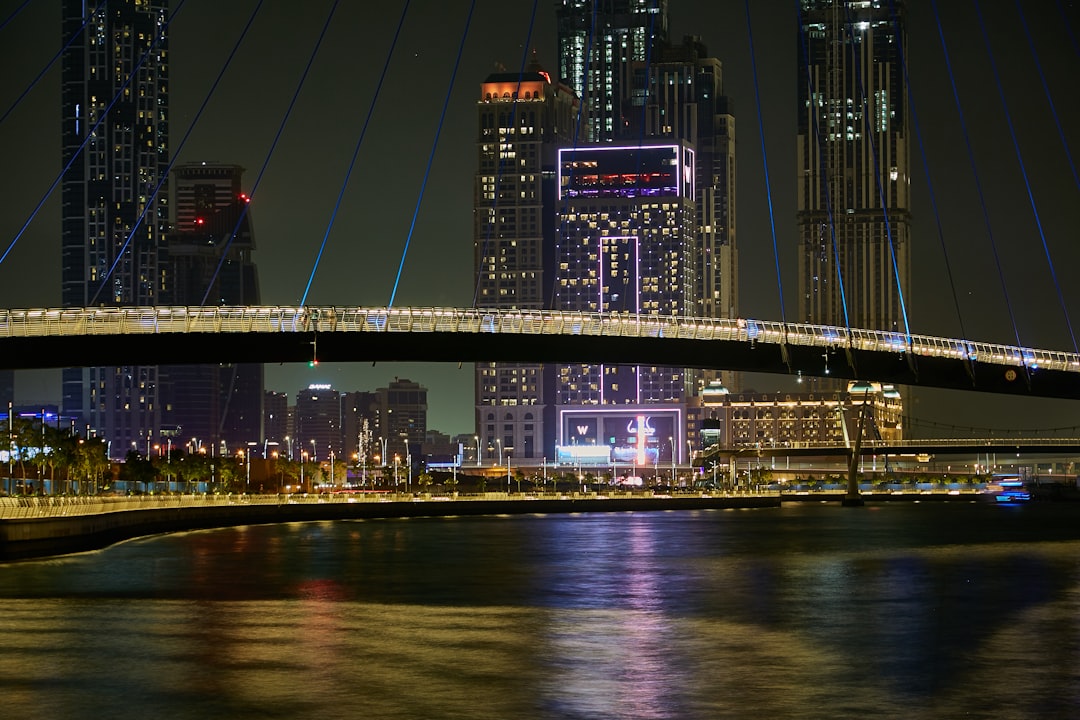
(1010, 491)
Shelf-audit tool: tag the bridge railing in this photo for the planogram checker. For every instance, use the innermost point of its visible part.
(943, 443)
(291, 319)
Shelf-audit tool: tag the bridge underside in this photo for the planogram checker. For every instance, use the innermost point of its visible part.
(288, 347)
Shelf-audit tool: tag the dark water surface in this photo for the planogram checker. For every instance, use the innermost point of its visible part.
(929, 610)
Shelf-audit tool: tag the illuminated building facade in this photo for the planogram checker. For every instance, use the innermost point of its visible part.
(853, 160)
(598, 43)
(734, 420)
(114, 110)
(522, 117)
(209, 262)
(624, 244)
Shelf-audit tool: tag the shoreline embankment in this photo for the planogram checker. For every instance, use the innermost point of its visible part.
(60, 529)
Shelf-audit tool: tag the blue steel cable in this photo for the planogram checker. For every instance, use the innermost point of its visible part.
(175, 155)
(926, 171)
(91, 131)
(356, 151)
(765, 160)
(431, 156)
(1046, 91)
(15, 12)
(825, 180)
(1023, 171)
(1068, 27)
(877, 180)
(270, 153)
(498, 160)
(975, 172)
(51, 62)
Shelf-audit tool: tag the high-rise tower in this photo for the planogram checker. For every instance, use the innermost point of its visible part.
(115, 132)
(853, 161)
(599, 41)
(686, 101)
(209, 262)
(624, 245)
(522, 119)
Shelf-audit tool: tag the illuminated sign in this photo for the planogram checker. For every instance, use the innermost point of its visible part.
(626, 171)
(629, 434)
(316, 386)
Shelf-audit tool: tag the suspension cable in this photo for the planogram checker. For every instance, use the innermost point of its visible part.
(356, 151)
(926, 171)
(1023, 170)
(765, 161)
(57, 56)
(1068, 27)
(16, 11)
(431, 156)
(1046, 91)
(975, 172)
(269, 154)
(498, 153)
(175, 156)
(821, 145)
(90, 133)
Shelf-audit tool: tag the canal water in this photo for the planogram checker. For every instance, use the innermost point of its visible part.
(897, 610)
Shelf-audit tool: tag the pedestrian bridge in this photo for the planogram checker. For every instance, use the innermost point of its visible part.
(81, 337)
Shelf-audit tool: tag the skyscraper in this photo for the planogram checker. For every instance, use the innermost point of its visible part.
(522, 117)
(853, 159)
(209, 262)
(625, 244)
(599, 41)
(686, 101)
(115, 100)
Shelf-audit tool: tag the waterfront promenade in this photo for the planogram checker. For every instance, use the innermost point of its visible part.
(42, 526)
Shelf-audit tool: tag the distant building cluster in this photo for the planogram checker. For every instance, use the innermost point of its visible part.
(607, 188)
(611, 189)
(360, 428)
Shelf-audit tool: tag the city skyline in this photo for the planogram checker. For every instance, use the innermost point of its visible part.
(295, 198)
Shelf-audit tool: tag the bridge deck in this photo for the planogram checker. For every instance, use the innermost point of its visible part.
(62, 337)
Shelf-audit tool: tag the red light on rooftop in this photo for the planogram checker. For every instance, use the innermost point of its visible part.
(199, 221)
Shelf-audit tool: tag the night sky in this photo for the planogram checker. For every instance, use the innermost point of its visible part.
(299, 185)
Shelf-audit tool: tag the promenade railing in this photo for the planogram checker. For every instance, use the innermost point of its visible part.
(332, 319)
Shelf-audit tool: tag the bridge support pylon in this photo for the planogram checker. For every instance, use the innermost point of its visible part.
(852, 498)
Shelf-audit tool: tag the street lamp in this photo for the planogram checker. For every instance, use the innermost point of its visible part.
(671, 441)
(508, 473)
(397, 458)
(408, 471)
(303, 459)
(477, 439)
